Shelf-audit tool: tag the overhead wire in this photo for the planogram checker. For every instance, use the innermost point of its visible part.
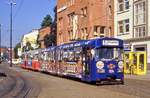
(18, 9)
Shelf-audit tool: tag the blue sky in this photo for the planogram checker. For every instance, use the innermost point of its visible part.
(27, 15)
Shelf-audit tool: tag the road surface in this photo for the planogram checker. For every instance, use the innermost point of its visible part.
(39, 85)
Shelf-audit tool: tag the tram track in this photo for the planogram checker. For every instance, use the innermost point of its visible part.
(18, 86)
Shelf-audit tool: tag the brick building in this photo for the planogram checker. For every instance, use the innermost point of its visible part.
(84, 19)
(42, 33)
(31, 38)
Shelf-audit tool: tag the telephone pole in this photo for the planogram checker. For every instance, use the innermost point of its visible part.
(11, 30)
(0, 45)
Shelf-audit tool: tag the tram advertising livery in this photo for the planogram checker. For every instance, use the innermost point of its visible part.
(93, 60)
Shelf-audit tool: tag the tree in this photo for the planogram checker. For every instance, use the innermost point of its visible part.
(50, 40)
(37, 41)
(47, 21)
(16, 50)
(28, 47)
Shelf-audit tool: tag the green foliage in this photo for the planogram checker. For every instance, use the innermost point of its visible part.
(50, 40)
(16, 50)
(37, 41)
(28, 47)
(47, 21)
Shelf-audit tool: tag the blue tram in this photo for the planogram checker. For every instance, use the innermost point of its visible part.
(93, 60)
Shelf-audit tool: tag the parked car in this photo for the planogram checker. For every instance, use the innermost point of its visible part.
(15, 61)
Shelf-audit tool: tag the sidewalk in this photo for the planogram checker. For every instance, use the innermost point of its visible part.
(139, 77)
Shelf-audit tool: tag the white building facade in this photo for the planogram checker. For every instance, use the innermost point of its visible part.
(132, 24)
(30, 37)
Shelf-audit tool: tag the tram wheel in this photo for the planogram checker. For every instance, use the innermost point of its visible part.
(122, 82)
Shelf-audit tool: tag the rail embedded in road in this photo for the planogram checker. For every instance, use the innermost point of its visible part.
(16, 85)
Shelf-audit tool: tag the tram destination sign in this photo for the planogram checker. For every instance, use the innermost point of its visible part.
(110, 42)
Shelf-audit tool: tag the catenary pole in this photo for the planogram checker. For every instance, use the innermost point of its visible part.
(11, 30)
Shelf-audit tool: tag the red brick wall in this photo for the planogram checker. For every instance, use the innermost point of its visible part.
(97, 14)
(42, 33)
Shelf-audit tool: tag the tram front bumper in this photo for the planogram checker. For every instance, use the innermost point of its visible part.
(101, 77)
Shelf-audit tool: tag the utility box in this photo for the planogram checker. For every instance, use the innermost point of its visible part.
(135, 63)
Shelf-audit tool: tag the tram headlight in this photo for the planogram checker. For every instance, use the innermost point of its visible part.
(100, 64)
(120, 64)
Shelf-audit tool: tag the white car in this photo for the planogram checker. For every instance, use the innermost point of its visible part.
(15, 61)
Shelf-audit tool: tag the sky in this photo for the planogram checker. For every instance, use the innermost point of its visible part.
(27, 15)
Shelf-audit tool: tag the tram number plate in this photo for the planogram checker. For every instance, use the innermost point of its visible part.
(111, 71)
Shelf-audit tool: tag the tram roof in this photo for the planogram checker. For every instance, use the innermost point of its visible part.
(96, 43)
(93, 43)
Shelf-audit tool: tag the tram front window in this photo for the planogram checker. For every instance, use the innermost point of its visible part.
(109, 53)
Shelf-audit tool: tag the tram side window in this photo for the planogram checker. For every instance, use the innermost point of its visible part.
(58, 55)
(65, 55)
(78, 53)
(46, 56)
(40, 56)
(61, 55)
(23, 56)
(49, 56)
(53, 55)
(71, 55)
(29, 57)
(35, 56)
(86, 59)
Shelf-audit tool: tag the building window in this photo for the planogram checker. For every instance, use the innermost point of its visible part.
(126, 2)
(70, 33)
(84, 12)
(110, 32)
(70, 2)
(140, 31)
(84, 33)
(60, 24)
(123, 26)
(99, 31)
(110, 11)
(127, 25)
(140, 19)
(139, 13)
(70, 19)
(123, 5)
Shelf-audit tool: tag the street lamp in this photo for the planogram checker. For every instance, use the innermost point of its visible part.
(11, 31)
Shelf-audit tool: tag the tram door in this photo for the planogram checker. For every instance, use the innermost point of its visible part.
(86, 61)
